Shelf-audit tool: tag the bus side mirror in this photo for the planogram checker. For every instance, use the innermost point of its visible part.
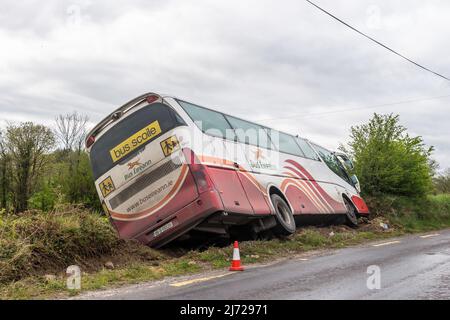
(355, 182)
(346, 162)
(349, 163)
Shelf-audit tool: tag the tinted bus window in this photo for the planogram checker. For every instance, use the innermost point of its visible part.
(307, 150)
(101, 158)
(286, 143)
(250, 133)
(332, 162)
(209, 121)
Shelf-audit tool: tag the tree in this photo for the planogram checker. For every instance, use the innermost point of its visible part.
(442, 182)
(27, 145)
(388, 160)
(71, 130)
(4, 174)
(79, 187)
(75, 175)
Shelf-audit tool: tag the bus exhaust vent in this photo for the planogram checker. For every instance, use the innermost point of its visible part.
(144, 181)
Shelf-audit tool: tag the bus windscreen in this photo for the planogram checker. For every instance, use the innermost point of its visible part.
(130, 135)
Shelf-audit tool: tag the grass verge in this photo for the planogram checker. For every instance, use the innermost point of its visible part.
(36, 247)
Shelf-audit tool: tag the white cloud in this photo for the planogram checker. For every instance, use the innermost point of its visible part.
(255, 59)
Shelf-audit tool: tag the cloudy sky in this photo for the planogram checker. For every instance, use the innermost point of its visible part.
(285, 64)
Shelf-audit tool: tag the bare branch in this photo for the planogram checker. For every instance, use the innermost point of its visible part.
(71, 130)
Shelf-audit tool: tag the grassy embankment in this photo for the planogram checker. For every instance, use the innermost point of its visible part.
(36, 247)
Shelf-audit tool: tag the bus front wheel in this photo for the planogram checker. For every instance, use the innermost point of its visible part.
(283, 214)
(350, 217)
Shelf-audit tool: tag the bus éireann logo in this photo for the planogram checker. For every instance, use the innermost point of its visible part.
(107, 186)
(135, 141)
(133, 164)
(258, 154)
(170, 145)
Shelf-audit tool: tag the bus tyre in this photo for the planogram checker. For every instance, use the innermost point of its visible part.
(351, 218)
(283, 214)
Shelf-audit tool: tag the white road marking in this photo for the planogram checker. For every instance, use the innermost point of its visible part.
(385, 243)
(429, 235)
(197, 280)
(303, 259)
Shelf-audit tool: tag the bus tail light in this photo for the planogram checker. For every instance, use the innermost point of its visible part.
(90, 141)
(199, 171)
(152, 98)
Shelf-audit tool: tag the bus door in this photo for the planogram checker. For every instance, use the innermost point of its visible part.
(224, 175)
(248, 170)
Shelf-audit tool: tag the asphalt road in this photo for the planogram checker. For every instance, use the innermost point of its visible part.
(412, 267)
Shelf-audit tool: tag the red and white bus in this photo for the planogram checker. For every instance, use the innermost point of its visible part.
(165, 167)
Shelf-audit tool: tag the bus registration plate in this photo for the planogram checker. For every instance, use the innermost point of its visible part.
(162, 229)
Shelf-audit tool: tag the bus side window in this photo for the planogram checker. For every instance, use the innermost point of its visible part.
(209, 121)
(307, 150)
(333, 163)
(250, 133)
(286, 144)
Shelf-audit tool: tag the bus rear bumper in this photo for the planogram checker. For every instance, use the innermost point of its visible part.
(182, 220)
(360, 205)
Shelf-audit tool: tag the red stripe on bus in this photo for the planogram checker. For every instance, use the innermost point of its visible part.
(335, 204)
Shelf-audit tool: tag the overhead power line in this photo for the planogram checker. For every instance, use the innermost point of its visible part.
(304, 115)
(378, 42)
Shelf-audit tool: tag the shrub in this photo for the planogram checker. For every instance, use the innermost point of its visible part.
(413, 214)
(36, 242)
(388, 160)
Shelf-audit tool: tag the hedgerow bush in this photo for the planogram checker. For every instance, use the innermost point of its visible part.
(388, 160)
(36, 242)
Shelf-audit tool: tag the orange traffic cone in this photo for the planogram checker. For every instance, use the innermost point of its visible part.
(236, 262)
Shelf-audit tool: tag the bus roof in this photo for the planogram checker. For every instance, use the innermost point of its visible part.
(134, 102)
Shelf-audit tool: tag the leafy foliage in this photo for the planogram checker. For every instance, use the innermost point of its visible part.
(35, 175)
(442, 182)
(26, 145)
(5, 173)
(73, 174)
(46, 198)
(388, 160)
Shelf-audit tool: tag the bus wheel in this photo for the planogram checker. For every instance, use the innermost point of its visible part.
(283, 214)
(350, 217)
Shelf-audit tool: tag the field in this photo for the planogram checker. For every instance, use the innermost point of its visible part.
(37, 247)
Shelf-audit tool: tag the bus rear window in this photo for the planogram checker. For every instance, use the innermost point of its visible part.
(130, 135)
